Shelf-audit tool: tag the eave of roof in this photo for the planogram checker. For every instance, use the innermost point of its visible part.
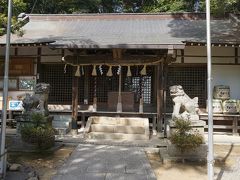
(136, 31)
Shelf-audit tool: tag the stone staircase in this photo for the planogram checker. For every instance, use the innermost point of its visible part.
(117, 128)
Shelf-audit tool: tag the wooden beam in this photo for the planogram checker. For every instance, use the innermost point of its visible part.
(74, 100)
(117, 54)
(108, 59)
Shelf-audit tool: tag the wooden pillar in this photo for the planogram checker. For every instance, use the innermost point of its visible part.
(235, 126)
(74, 100)
(159, 97)
(165, 75)
(95, 95)
(119, 103)
(86, 85)
(39, 53)
(236, 55)
(182, 56)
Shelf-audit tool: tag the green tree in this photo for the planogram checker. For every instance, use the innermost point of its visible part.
(18, 6)
(61, 6)
(220, 7)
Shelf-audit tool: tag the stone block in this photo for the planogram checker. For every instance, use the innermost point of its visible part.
(102, 128)
(61, 124)
(199, 153)
(103, 120)
(197, 126)
(117, 136)
(133, 121)
(67, 118)
(129, 129)
(15, 167)
(62, 131)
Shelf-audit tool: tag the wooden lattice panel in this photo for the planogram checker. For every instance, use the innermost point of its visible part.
(193, 81)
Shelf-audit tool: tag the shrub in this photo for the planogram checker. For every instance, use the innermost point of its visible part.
(38, 132)
(184, 138)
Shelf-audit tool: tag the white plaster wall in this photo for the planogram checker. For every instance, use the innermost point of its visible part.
(216, 51)
(227, 75)
(14, 94)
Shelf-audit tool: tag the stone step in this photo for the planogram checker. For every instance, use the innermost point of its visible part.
(117, 136)
(128, 121)
(117, 129)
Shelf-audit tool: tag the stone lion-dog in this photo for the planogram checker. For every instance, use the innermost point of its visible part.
(184, 107)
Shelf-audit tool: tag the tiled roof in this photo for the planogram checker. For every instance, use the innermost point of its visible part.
(124, 30)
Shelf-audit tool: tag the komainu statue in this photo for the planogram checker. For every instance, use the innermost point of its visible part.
(184, 107)
(38, 102)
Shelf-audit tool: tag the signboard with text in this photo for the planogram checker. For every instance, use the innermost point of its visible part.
(15, 105)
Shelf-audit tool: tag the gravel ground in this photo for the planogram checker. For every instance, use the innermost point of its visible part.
(226, 167)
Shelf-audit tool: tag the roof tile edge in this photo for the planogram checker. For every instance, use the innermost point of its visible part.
(184, 15)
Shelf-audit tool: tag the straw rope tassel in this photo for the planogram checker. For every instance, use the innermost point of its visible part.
(94, 71)
(77, 74)
(129, 74)
(109, 73)
(144, 70)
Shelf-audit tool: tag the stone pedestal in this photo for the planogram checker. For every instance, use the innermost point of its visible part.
(197, 126)
(200, 153)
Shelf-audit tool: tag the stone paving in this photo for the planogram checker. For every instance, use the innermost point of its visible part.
(104, 162)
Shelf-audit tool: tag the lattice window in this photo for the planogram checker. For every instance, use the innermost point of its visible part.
(105, 84)
(60, 83)
(193, 80)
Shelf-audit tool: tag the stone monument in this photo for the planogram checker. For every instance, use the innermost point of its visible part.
(185, 109)
(35, 103)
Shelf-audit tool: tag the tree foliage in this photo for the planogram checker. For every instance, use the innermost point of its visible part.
(18, 6)
(121, 6)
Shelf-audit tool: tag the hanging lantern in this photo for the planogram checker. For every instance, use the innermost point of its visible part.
(109, 73)
(78, 72)
(129, 74)
(94, 71)
(143, 72)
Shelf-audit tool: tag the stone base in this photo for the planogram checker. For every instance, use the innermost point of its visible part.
(199, 154)
(197, 126)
